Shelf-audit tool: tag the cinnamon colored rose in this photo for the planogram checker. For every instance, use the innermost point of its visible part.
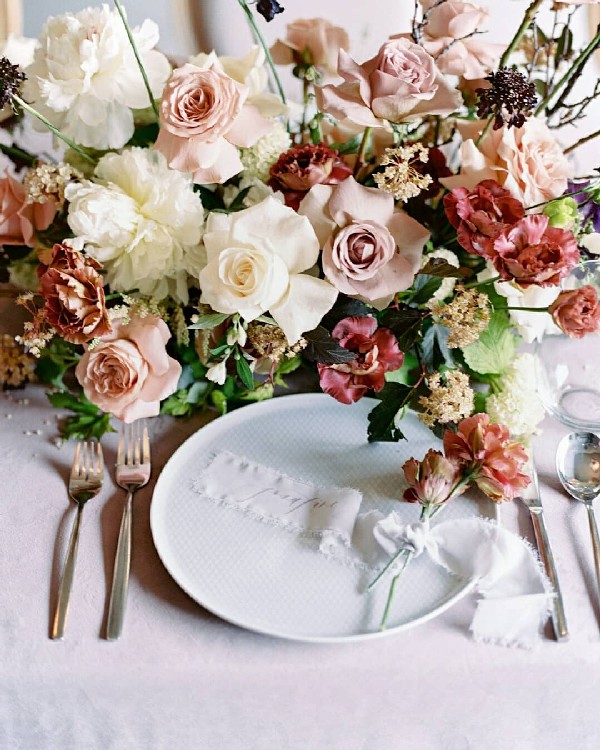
(432, 480)
(376, 353)
(128, 373)
(301, 167)
(577, 311)
(531, 252)
(481, 215)
(486, 452)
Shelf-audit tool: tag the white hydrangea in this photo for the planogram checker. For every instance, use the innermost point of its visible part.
(142, 221)
(259, 159)
(85, 79)
(518, 405)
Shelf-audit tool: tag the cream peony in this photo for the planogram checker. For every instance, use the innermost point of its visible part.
(85, 79)
(142, 221)
(255, 262)
(527, 161)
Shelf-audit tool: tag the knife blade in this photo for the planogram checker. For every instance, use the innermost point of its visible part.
(532, 499)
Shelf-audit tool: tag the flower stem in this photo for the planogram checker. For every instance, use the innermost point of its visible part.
(579, 143)
(560, 197)
(263, 44)
(392, 591)
(474, 284)
(524, 309)
(65, 139)
(121, 12)
(391, 561)
(362, 151)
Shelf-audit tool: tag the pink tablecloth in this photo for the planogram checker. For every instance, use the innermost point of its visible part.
(182, 679)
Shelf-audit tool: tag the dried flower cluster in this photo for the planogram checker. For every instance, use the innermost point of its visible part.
(270, 341)
(400, 178)
(47, 182)
(466, 316)
(510, 98)
(16, 365)
(450, 398)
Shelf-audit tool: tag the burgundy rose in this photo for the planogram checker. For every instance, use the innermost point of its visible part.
(376, 353)
(74, 296)
(301, 167)
(533, 253)
(482, 215)
(577, 311)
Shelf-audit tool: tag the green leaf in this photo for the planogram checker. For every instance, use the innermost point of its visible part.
(237, 204)
(209, 321)
(382, 419)
(76, 403)
(86, 426)
(244, 372)
(480, 401)
(405, 373)
(211, 200)
(144, 135)
(434, 348)
(197, 392)
(405, 323)
(495, 349)
(323, 348)
(177, 405)
(219, 400)
(351, 146)
(262, 393)
(424, 288)
(345, 307)
(440, 267)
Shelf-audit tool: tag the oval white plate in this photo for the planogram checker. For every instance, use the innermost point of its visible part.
(263, 578)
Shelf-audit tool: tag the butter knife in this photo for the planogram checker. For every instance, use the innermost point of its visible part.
(532, 499)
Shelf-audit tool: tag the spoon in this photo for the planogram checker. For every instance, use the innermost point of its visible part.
(578, 468)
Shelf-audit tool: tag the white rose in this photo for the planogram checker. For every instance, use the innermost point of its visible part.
(255, 262)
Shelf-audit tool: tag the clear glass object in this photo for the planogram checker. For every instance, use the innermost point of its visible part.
(568, 369)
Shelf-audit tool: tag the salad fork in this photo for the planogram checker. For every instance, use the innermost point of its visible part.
(132, 472)
(85, 482)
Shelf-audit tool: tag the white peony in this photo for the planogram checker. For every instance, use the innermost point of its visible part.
(256, 258)
(518, 405)
(85, 79)
(142, 221)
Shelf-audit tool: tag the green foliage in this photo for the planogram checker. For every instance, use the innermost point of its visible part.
(285, 367)
(323, 348)
(405, 323)
(55, 361)
(434, 348)
(209, 321)
(382, 419)
(88, 421)
(351, 146)
(440, 267)
(495, 349)
(406, 373)
(424, 287)
(145, 135)
(244, 372)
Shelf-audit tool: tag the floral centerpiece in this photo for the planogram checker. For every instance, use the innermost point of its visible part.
(198, 238)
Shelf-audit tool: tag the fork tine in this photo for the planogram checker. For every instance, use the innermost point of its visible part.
(99, 462)
(145, 445)
(137, 441)
(75, 467)
(121, 448)
(129, 442)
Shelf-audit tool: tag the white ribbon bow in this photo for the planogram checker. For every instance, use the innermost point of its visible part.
(517, 596)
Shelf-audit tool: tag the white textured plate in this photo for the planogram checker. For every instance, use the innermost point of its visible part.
(262, 578)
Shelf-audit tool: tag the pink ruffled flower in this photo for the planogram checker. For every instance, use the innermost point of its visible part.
(401, 82)
(486, 452)
(577, 311)
(18, 218)
(311, 41)
(481, 215)
(204, 117)
(449, 36)
(432, 480)
(370, 251)
(531, 252)
(128, 373)
(301, 167)
(376, 353)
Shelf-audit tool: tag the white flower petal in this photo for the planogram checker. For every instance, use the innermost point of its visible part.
(303, 306)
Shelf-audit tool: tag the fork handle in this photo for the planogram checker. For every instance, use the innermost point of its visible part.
(66, 582)
(120, 584)
(559, 620)
(595, 541)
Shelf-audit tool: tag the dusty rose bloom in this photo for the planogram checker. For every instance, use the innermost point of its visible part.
(376, 353)
(481, 215)
(431, 480)
(577, 311)
(301, 167)
(203, 117)
(311, 41)
(449, 36)
(18, 218)
(485, 451)
(370, 251)
(401, 82)
(531, 252)
(129, 372)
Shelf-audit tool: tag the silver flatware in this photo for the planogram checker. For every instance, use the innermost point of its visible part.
(85, 483)
(533, 501)
(133, 471)
(578, 467)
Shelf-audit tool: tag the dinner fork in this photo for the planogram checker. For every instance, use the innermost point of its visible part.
(85, 482)
(132, 472)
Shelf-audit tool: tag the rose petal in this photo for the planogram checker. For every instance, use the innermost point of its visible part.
(314, 206)
(248, 127)
(303, 306)
(350, 201)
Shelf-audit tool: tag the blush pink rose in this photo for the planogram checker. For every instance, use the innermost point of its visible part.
(370, 250)
(486, 451)
(129, 372)
(18, 218)
(204, 116)
(311, 41)
(449, 36)
(531, 252)
(577, 311)
(401, 82)
(376, 353)
(481, 215)
(526, 161)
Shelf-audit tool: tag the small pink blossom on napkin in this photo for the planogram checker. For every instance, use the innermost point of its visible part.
(128, 373)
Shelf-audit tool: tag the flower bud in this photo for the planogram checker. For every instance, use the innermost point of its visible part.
(562, 214)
